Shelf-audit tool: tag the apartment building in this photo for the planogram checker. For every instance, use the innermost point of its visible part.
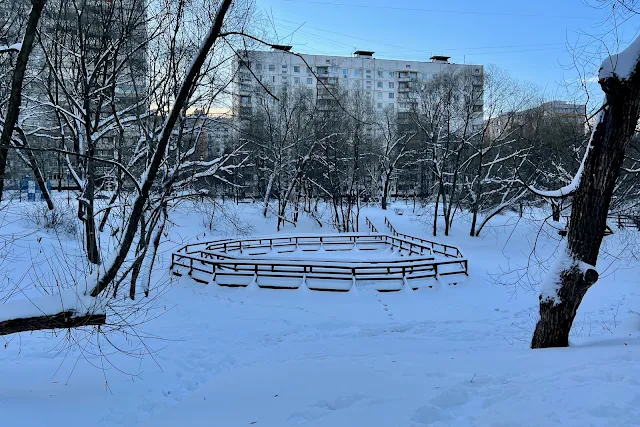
(387, 82)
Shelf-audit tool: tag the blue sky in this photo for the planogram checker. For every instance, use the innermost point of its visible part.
(529, 39)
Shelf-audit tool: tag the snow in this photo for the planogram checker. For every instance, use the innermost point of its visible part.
(440, 356)
(575, 181)
(11, 48)
(551, 284)
(563, 261)
(622, 64)
(66, 300)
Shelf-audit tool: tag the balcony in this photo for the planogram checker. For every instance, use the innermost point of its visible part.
(328, 81)
(322, 71)
(407, 76)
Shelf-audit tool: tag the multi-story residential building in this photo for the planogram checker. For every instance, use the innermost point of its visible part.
(387, 82)
(392, 86)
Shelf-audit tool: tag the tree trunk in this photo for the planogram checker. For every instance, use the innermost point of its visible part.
(435, 215)
(474, 220)
(385, 192)
(66, 319)
(15, 98)
(267, 195)
(555, 211)
(556, 318)
(609, 142)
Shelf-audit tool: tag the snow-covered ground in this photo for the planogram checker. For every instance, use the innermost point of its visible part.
(448, 356)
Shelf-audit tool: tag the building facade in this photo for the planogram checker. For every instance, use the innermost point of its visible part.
(387, 82)
(393, 88)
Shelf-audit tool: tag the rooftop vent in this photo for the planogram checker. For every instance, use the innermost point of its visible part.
(440, 58)
(363, 53)
(282, 47)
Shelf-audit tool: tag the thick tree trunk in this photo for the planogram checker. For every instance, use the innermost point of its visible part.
(15, 98)
(556, 318)
(609, 142)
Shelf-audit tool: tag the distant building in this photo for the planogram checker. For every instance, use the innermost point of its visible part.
(211, 132)
(565, 112)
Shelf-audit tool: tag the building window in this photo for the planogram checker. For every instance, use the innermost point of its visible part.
(356, 72)
(334, 69)
(259, 66)
(296, 80)
(380, 74)
(345, 72)
(379, 95)
(379, 84)
(392, 95)
(379, 104)
(328, 61)
(308, 70)
(285, 79)
(356, 83)
(245, 100)
(392, 85)
(309, 81)
(296, 69)
(273, 79)
(390, 74)
(408, 66)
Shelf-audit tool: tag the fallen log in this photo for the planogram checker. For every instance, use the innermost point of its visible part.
(63, 320)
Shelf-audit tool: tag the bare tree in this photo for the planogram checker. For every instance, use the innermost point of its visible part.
(143, 223)
(396, 151)
(491, 170)
(15, 97)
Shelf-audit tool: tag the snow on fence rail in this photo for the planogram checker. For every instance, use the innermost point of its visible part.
(260, 261)
(370, 226)
(438, 248)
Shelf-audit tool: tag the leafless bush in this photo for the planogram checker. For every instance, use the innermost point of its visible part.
(60, 220)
